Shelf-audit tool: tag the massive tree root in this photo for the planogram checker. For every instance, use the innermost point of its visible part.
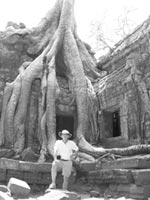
(55, 34)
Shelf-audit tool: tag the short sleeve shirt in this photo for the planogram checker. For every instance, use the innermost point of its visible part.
(65, 150)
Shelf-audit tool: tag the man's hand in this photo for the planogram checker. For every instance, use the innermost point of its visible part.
(74, 155)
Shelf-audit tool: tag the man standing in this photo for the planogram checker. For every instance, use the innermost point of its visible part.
(65, 151)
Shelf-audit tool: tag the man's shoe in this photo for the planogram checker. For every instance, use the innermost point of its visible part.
(47, 190)
(52, 186)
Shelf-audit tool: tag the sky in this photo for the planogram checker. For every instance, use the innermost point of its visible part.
(107, 12)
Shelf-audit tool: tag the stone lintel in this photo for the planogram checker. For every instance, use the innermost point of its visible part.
(134, 162)
(6, 163)
(111, 176)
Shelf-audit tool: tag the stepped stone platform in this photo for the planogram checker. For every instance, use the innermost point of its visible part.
(125, 176)
(134, 162)
(31, 172)
(37, 175)
(128, 176)
(53, 195)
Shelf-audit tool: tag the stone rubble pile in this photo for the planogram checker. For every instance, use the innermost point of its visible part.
(129, 177)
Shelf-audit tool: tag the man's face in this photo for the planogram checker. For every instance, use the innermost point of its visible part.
(65, 137)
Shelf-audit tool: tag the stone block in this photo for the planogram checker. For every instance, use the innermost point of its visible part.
(113, 142)
(2, 175)
(29, 155)
(18, 188)
(14, 173)
(6, 153)
(34, 166)
(6, 163)
(100, 176)
(134, 162)
(111, 176)
(137, 197)
(94, 193)
(134, 191)
(142, 176)
(143, 191)
(32, 177)
(4, 196)
(113, 187)
(124, 188)
(87, 166)
(46, 178)
(59, 195)
(123, 176)
(3, 188)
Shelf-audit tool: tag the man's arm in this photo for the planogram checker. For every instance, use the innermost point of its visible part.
(74, 151)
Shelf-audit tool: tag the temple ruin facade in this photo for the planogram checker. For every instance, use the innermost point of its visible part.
(123, 109)
(104, 103)
(123, 93)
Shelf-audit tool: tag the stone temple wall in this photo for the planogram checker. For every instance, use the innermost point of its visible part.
(124, 91)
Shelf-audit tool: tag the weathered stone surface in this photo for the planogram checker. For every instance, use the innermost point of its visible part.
(34, 177)
(6, 163)
(14, 173)
(111, 176)
(4, 196)
(94, 198)
(114, 142)
(124, 188)
(134, 162)
(87, 166)
(65, 96)
(2, 175)
(29, 155)
(113, 187)
(59, 195)
(3, 188)
(94, 193)
(45, 178)
(142, 176)
(7, 153)
(18, 188)
(120, 198)
(134, 191)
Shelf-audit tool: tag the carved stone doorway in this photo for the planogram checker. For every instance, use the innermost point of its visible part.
(64, 122)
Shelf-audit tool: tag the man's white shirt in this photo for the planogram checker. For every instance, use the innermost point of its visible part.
(65, 150)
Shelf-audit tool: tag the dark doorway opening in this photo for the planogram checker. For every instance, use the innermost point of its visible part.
(64, 122)
(116, 124)
(111, 124)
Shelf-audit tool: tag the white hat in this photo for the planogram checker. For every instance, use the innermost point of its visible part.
(65, 132)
